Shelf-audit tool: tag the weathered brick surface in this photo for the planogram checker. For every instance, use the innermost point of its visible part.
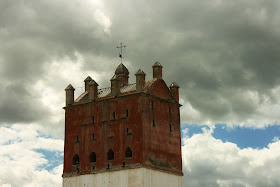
(154, 145)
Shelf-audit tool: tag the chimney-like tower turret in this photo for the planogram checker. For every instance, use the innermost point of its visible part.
(115, 85)
(92, 90)
(157, 70)
(174, 88)
(140, 80)
(122, 72)
(87, 80)
(69, 95)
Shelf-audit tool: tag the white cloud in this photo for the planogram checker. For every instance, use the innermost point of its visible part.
(210, 162)
(103, 20)
(21, 164)
(206, 161)
(275, 139)
(61, 72)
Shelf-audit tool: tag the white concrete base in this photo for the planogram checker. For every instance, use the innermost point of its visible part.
(139, 177)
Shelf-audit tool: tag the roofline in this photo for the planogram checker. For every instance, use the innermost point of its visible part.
(121, 95)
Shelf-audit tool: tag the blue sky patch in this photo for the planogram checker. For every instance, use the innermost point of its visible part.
(244, 137)
(247, 137)
(193, 129)
(55, 158)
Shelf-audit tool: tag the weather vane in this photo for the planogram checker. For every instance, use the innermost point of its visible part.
(120, 54)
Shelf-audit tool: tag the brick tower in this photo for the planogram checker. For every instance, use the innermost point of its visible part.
(124, 135)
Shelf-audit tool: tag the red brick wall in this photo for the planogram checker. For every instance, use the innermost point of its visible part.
(104, 127)
(162, 146)
(152, 145)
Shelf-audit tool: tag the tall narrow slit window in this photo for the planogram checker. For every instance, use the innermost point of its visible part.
(114, 115)
(126, 114)
(77, 139)
(154, 124)
(170, 128)
(152, 105)
(93, 120)
(93, 137)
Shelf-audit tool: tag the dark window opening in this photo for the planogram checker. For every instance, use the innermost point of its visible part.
(92, 119)
(109, 166)
(78, 170)
(154, 123)
(127, 130)
(170, 111)
(170, 128)
(110, 155)
(128, 153)
(92, 157)
(123, 164)
(126, 113)
(114, 115)
(152, 104)
(76, 160)
(93, 167)
(77, 138)
(93, 136)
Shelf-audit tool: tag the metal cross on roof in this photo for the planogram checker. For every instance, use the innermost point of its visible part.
(120, 54)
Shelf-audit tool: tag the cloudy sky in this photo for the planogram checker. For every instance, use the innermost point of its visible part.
(224, 55)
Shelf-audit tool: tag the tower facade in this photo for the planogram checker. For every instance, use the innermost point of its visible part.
(124, 135)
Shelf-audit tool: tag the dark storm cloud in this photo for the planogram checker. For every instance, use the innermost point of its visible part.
(19, 105)
(32, 34)
(217, 51)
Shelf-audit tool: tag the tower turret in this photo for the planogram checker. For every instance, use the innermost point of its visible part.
(157, 70)
(174, 88)
(115, 85)
(93, 90)
(69, 95)
(140, 80)
(87, 80)
(122, 72)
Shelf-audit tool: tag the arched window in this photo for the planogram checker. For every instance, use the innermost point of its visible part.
(92, 157)
(110, 155)
(76, 160)
(128, 153)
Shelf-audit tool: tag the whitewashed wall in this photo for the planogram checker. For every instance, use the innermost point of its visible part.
(140, 177)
